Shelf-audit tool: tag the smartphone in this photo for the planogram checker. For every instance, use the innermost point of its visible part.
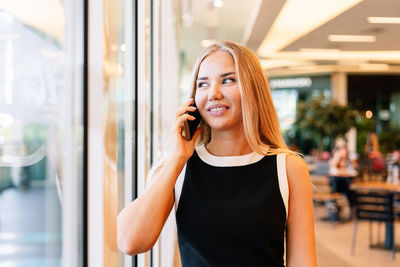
(189, 127)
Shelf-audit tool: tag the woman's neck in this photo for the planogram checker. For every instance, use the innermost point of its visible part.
(228, 143)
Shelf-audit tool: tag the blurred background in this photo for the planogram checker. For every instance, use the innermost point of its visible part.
(88, 93)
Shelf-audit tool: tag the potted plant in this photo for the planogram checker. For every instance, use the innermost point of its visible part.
(322, 118)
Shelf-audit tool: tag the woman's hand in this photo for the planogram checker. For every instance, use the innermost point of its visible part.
(182, 148)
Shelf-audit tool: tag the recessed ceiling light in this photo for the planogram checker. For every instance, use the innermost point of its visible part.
(388, 20)
(352, 38)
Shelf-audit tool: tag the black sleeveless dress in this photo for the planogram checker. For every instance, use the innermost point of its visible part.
(231, 216)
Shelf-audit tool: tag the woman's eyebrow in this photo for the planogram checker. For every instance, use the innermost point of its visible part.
(226, 74)
(221, 75)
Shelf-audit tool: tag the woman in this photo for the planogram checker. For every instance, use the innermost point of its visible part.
(236, 192)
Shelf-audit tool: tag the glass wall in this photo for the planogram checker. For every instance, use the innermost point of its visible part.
(41, 133)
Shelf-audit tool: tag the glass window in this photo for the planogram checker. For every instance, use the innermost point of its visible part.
(41, 133)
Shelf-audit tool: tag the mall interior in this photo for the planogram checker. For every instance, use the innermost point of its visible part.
(89, 91)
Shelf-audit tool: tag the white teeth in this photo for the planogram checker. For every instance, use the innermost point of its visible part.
(218, 109)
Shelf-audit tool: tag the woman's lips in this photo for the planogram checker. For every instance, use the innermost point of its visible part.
(217, 110)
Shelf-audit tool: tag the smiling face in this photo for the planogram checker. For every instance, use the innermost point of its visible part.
(218, 94)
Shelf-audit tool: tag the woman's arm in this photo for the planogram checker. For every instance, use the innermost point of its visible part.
(300, 237)
(140, 223)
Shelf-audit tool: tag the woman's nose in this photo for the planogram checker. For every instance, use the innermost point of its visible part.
(215, 92)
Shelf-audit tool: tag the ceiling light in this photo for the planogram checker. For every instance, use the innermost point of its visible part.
(389, 56)
(319, 50)
(352, 38)
(374, 66)
(282, 63)
(287, 27)
(315, 51)
(218, 3)
(388, 20)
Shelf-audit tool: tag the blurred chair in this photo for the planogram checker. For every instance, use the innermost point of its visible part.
(322, 195)
(373, 207)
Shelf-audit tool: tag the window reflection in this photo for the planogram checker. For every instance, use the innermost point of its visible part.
(34, 95)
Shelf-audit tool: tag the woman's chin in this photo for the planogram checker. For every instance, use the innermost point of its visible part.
(222, 127)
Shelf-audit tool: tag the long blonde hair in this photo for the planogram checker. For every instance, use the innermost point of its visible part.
(260, 120)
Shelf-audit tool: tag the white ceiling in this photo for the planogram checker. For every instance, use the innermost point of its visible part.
(249, 23)
(354, 21)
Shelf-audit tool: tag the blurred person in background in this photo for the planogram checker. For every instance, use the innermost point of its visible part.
(376, 161)
(342, 163)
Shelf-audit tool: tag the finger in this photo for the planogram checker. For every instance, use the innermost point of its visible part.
(186, 104)
(189, 101)
(181, 120)
(184, 109)
(196, 134)
(184, 117)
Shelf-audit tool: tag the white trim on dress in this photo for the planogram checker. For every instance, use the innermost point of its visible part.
(283, 181)
(227, 161)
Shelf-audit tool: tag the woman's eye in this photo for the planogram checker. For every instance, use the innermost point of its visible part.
(200, 85)
(228, 81)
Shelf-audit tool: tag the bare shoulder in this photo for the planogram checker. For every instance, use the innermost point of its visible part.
(296, 163)
(297, 170)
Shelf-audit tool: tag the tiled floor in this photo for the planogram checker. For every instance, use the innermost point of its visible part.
(334, 244)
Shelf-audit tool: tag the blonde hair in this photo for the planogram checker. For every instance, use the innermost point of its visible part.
(260, 120)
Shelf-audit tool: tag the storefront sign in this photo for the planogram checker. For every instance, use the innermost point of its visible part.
(291, 83)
